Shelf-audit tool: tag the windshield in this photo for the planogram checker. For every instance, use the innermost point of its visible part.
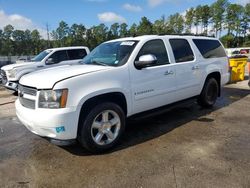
(41, 56)
(111, 53)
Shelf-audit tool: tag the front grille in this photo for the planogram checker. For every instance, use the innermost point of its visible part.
(27, 103)
(4, 77)
(22, 91)
(27, 90)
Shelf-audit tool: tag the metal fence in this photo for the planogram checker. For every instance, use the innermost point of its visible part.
(6, 60)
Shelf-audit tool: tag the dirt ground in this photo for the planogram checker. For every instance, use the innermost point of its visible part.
(185, 147)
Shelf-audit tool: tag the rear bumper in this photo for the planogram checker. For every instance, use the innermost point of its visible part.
(225, 78)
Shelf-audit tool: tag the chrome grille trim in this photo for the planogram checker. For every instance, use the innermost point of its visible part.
(4, 77)
(28, 103)
(27, 90)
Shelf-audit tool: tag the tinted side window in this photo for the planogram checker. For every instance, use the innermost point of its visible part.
(76, 54)
(209, 48)
(182, 50)
(59, 56)
(157, 48)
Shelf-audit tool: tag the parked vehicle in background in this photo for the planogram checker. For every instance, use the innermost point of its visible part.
(118, 79)
(11, 74)
(238, 51)
(24, 59)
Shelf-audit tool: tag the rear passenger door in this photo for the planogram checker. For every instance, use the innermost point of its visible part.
(187, 69)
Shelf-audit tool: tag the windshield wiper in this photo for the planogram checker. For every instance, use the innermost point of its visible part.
(99, 63)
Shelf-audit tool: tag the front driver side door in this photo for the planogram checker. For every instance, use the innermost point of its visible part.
(153, 86)
(58, 57)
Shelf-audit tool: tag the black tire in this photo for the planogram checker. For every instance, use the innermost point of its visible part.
(85, 134)
(209, 93)
(15, 93)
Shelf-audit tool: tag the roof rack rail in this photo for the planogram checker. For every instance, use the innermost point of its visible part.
(187, 34)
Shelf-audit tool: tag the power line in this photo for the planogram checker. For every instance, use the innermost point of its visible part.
(48, 39)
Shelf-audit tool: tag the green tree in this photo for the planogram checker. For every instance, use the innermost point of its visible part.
(27, 42)
(90, 38)
(217, 12)
(228, 40)
(234, 17)
(176, 23)
(96, 35)
(205, 17)
(245, 20)
(133, 30)
(159, 26)
(19, 42)
(123, 30)
(234, 14)
(189, 17)
(61, 34)
(197, 17)
(7, 41)
(145, 27)
(1, 41)
(77, 35)
(36, 42)
(114, 28)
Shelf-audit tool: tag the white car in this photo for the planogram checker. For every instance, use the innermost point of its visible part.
(11, 74)
(118, 79)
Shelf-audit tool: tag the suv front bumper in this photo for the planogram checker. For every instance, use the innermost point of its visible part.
(60, 124)
(11, 85)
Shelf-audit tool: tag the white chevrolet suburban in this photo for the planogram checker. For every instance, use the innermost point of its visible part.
(11, 74)
(120, 78)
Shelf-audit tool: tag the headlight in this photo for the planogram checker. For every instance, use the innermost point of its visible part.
(11, 73)
(53, 98)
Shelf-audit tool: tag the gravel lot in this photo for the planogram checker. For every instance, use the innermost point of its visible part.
(185, 147)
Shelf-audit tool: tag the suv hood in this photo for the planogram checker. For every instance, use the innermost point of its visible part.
(16, 66)
(46, 78)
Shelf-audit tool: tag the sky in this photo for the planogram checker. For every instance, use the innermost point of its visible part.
(35, 14)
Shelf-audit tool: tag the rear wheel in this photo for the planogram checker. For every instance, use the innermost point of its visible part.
(102, 127)
(209, 93)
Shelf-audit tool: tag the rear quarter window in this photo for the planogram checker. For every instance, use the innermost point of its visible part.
(76, 53)
(210, 48)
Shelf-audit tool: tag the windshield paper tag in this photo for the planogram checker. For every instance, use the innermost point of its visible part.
(127, 43)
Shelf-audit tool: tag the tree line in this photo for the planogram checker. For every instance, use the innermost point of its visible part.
(222, 17)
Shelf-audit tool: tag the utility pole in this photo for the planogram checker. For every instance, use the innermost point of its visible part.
(48, 41)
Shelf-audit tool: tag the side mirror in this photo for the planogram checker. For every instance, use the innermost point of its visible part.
(145, 61)
(50, 61)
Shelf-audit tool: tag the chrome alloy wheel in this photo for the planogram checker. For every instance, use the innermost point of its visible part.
(105, 127)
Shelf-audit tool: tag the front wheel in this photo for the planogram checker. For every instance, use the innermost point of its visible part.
(102, 127)
(209, 93)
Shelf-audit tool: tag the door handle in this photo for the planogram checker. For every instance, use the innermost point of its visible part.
(195, 67)
(168, 73)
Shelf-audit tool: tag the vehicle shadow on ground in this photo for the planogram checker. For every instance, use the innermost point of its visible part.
(142, 129)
